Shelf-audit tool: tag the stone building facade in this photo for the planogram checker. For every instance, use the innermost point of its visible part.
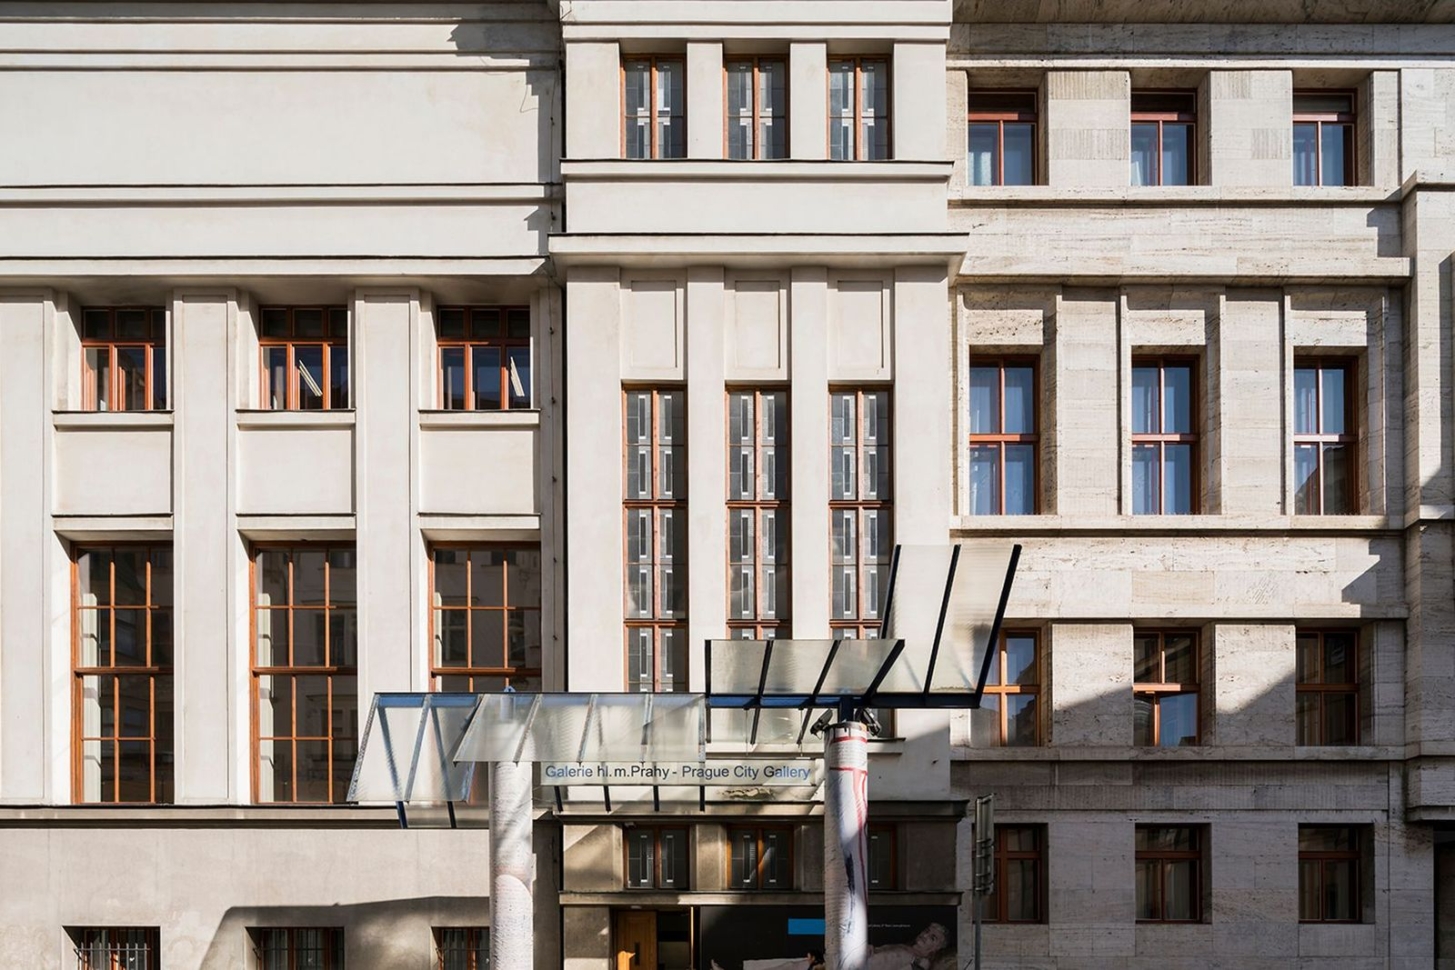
(384, 346)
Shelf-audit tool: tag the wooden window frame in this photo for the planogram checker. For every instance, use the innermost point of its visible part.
(890, 833)
(1162, 439)
(1326, 857)
(757, 112)
(656, 833)
(1000, 912)
(760, 626)
(1197, 856)
(1320, 689)
(330, 671)
(999, 439)
(1002, 689)
(476, 938)
(999, 118)
(655, 60)
(1163, 118)
(1157, 690)
(860, 625)
(333, 945)
(1350, 437)
(658, 622)
(119, 954)
(858, 111)
(153, 345)
(1349, 120)
(471, 671)
(329, 343)
(760, 832)
(154, 672)
(503, 341)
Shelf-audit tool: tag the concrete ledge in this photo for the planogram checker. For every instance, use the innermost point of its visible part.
(264, 194)
(118, 420)
(1271, 525)
(1193, 755)
(971, 196)
(338, 418)
(761, 249)
(679, 169)
(460, 420)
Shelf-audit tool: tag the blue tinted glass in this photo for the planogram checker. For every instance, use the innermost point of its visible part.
(1144, 154)
(985, 400)
(1146, 480)
(1020, 480)
(985, 481)
(1020, 154)
(1177, 385)
(1020, 403)
(1177, 495)
(1144, 400)
(984, 151)
(1305, 154)
(1176, 142)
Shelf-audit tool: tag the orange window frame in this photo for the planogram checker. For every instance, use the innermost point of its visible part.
(758, 112)
(1349, 438)
(153, 345)
(1000, 438)
(655, 61)
(861, 625)
(860, 113)
(1163, 117)
(1348, 120)
(1156, 690)
(476, 324)
(997, 909)
(157, 673)
(760, 626)
(329, 342)
(518, 677)
(1002, 116)
(1161, 439)
(1161, 859)
(1001, 688)
(760, 839)
(1318, 688)
(333, 673)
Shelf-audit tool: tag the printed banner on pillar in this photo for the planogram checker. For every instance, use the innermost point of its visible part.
(782, 937)
(791, 773)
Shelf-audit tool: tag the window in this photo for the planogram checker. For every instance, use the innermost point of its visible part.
(124, 359)
(484, 357)
(656, 540)
(1019, 867)
(1163, 137)
(859, 508)
(656, 857)
(116, 948)
(1328, 687)
(762, 858)
(122, 675)
(1169, 874)
(305, 704)
(654, 126)
(462, 948)
(1164, 446)
(1002, 137)
(1324, 438)
(299, 949)
(757, 108)
(1164, 689)
(1329, 873)
(858, 109)
(1323, 138)
(305, 358)
(883, 858)
(486, 621)
(1003, 439)
(1008, 714)
(758, 516)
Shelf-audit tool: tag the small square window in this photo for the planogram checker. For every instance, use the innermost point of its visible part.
(1328, 687)
(1002, 148)
(1169, 863)
(116, 948)
(761, 858)
(1331, 866)
(1323, 138)
(462, 948)
(1020, 881)
(1164, 137)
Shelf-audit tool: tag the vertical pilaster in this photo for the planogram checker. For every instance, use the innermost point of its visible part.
(706, 462)
(809, 412)
(1250, 128)
(918, 91)
(1088, 128)
(808, 118)
(704, 100)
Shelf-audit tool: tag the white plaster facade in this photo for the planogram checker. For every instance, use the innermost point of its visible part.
(213, 159)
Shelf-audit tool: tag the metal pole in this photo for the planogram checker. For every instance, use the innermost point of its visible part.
(512, 867)
(846, 841)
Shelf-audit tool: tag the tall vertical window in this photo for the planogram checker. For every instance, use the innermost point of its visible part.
(1020, 865)
(858, 108)
(1164, 442)
(1164, 689)
(860, 509)
(486, 621)
(1008, 714)
(654, 126)
(484, 358)
(1003, 439)
(1323, 138)
(1169, 873)
(305, 656)
(1329, 873)
(1002, 137)
(462, 948)
(124, 359)
(1163, 137)
(117, 948)
(656, 540)
(299, 949)
(757, 107)
(656, 857)
(757, 510)
(1328, 687)
(122, 674)
(305, 358)
(1324, 438)
(761, 858)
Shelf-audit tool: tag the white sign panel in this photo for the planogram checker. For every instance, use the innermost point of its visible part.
(791, 773)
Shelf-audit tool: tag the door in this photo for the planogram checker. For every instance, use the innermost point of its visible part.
(636, 940)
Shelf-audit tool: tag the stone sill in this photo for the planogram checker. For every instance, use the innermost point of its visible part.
(251, 418)
(1176, 524)
(452, 420)
(110, 420)
(1202, 753)
(778, 170)
(269, 194)
(974, 196)
(229, 815)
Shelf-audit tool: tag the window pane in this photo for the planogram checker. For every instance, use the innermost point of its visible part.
(98, 371)
(1020, 660)
(1305, 400)
(1144, 725)
(1145, 406)
(1181, 889)
(338, 376)
(452, 378)
(1177, 497)
(1177, 385)
(1306, 480)
(1340, 887)
(841, 110)
(1307, 719)
(1020, 479)
(1020, 154)
(1338, 499)
(1180, 661)
(1176, 146)
(1146, 480)
(984, 156)
(985, 480)
(1339, 726)
(639, 872)
(1333, 139)
(740, 109)
(517, 376)
(1334, 398)
(308, 366)
(1148, 891)
(131, 378)
(673, 844)
(1305, 153)
(985, 400)
(1147, 659)
(486, 362)
(638, 100)
(1178, 725)
(1144, 154)
(1339, 657)
(1022, 890)
(275, 373)
(1020, 403)
(1309, 872)
(671, 132)
(159, 378)
(1020, 712)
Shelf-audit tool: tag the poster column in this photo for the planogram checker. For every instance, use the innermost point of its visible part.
(846, 845)
(512, 867)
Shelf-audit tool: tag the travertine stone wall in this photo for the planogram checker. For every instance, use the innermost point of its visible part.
(1088, 138)
(1091, 668)
(1084, 368)
(1249, 127)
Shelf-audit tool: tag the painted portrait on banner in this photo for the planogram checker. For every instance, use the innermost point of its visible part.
(792, 937)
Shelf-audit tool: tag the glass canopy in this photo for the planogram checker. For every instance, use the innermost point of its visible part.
(406, 753)
(586, 728)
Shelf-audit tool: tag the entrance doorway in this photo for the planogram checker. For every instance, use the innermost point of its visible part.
(653, 939)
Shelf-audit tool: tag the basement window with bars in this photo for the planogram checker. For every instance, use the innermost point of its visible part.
(462, 948)
(116, 948)
(299, 948)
